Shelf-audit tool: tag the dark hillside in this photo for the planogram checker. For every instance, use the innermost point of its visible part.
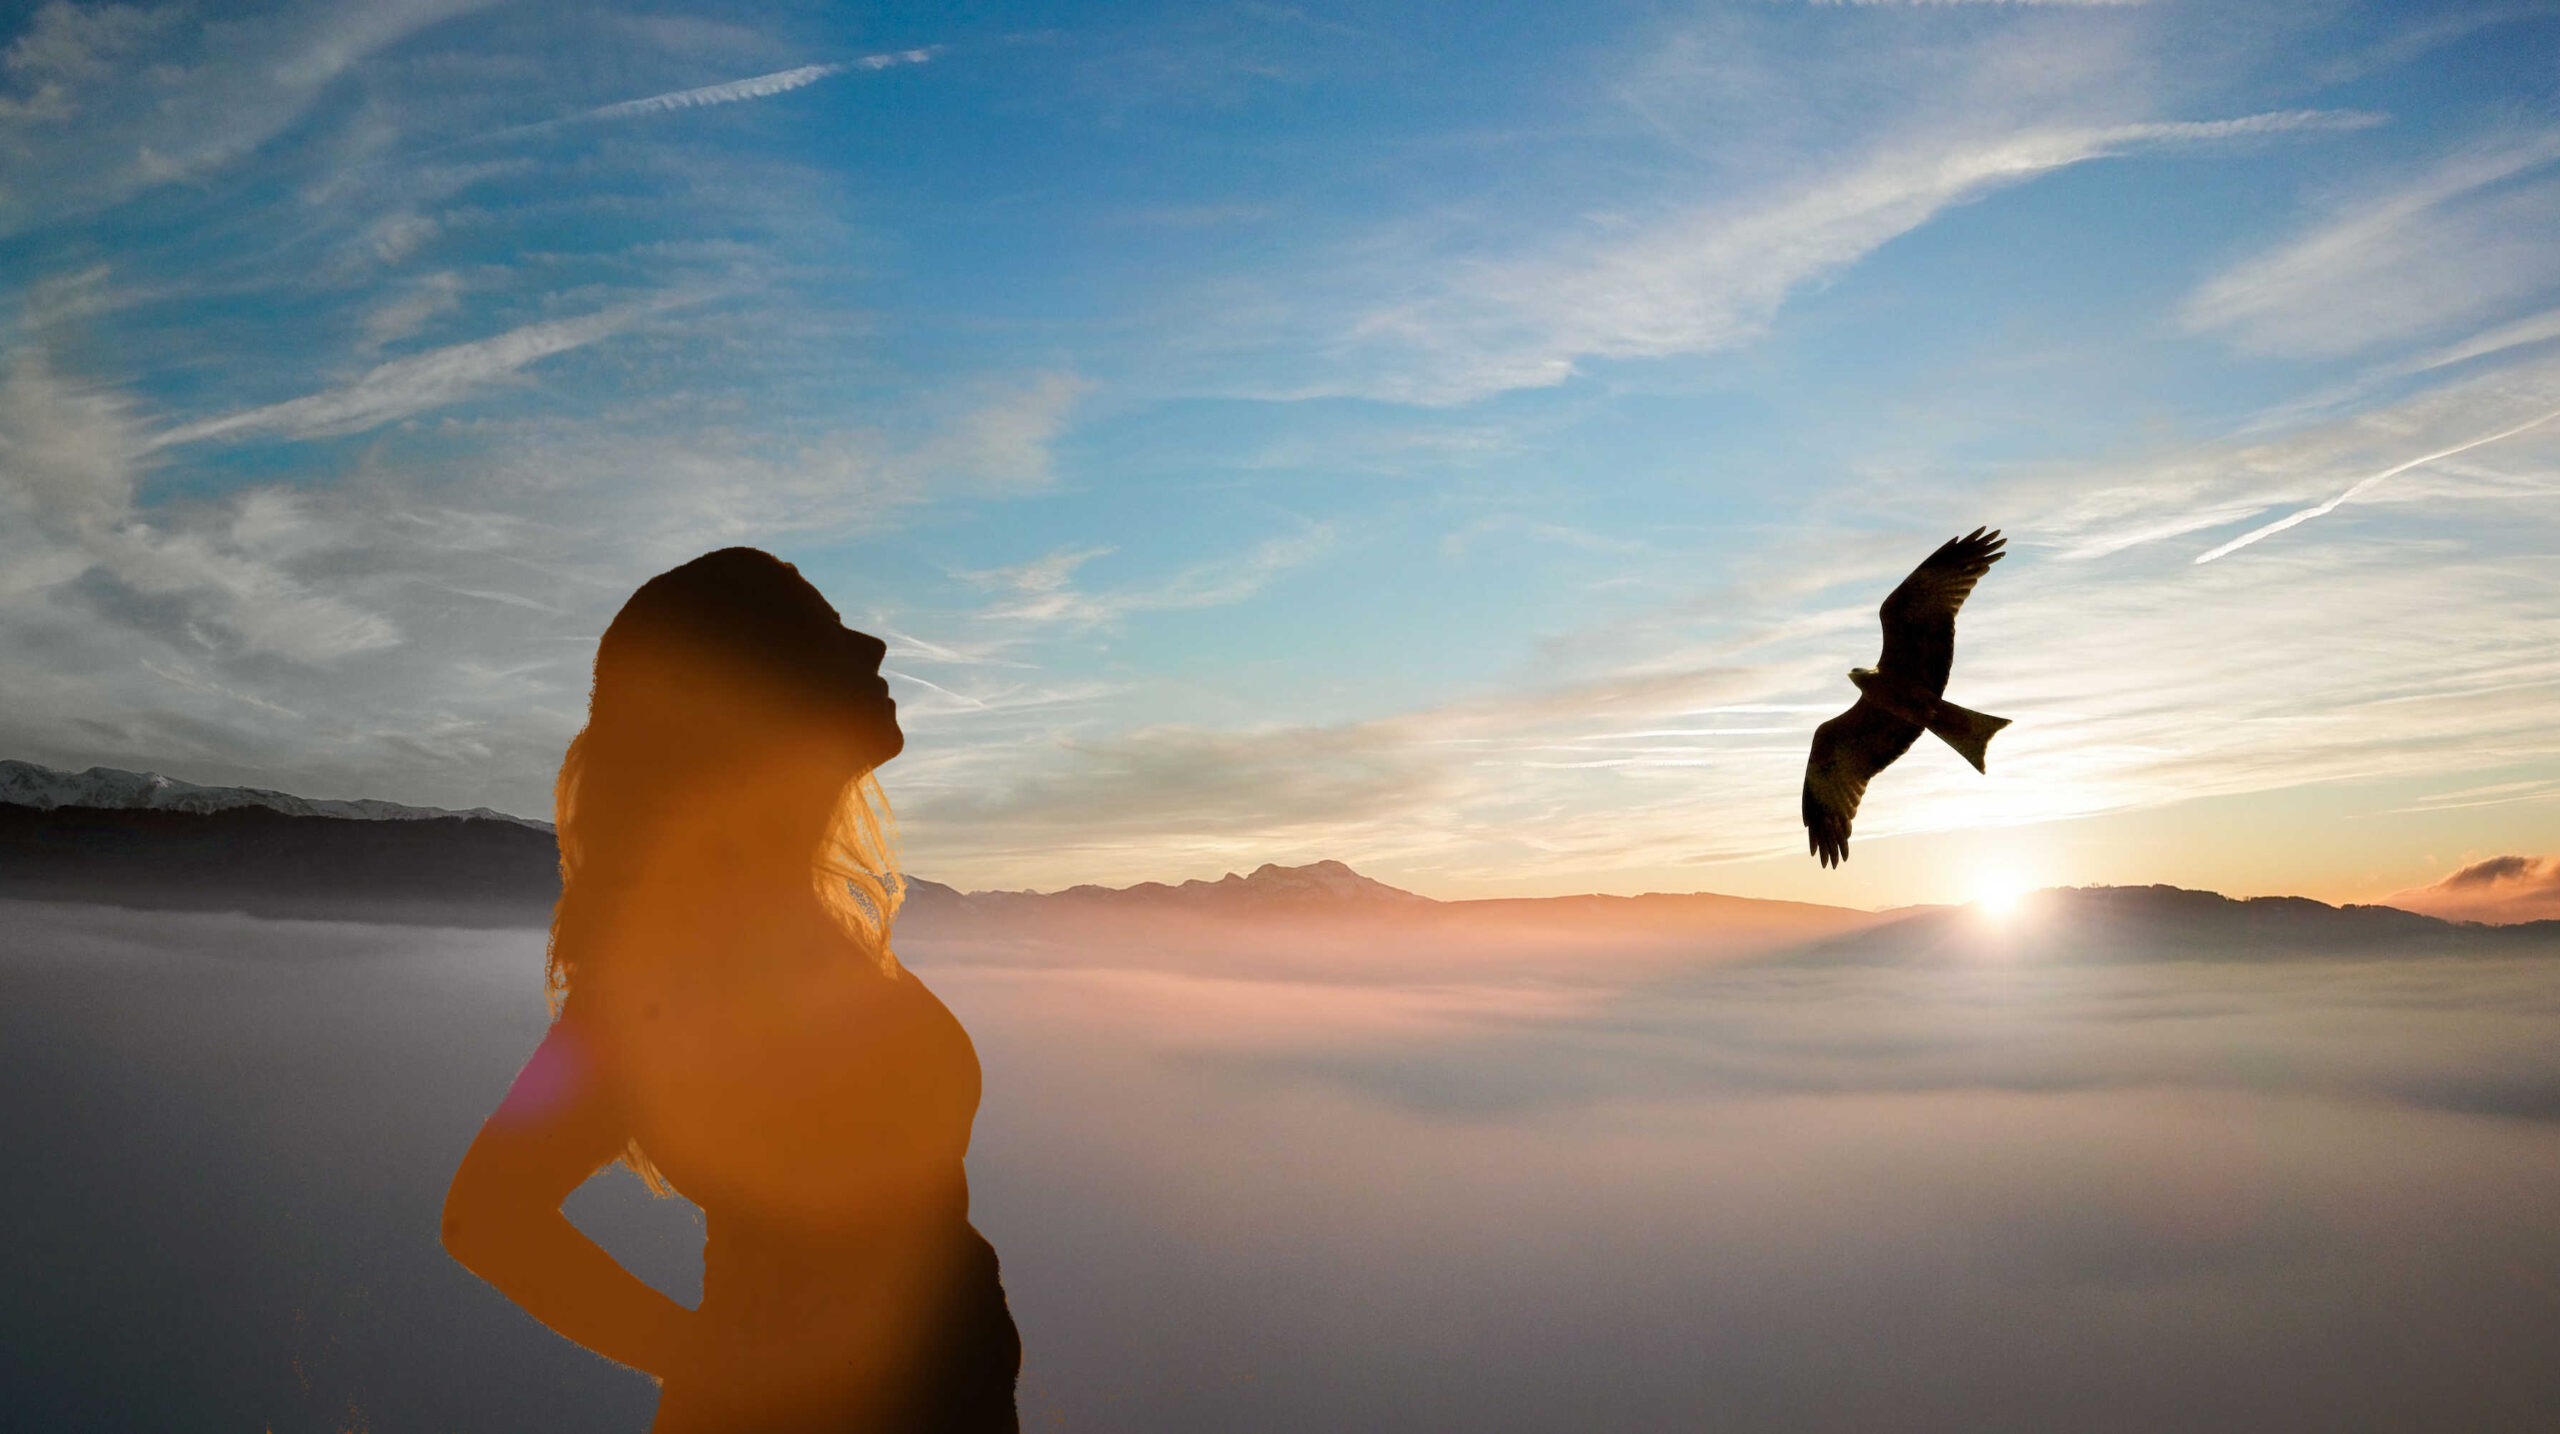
(445, 870)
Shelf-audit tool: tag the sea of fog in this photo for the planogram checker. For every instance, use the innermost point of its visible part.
(2315, 1195)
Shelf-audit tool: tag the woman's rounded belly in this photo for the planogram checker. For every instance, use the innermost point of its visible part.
(814, 1114)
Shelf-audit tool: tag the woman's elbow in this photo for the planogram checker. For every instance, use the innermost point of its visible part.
(460, 1228)
(474, 1223)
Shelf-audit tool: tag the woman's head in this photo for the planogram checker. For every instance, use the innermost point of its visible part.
(733, 656)
(731, 704)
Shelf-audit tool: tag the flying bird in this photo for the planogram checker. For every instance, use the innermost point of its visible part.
(1899, 697)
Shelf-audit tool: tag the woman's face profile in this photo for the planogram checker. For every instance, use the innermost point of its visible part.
(852, 729)
(877, 736)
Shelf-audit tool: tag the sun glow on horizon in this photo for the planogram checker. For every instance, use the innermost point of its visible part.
(1997, 894)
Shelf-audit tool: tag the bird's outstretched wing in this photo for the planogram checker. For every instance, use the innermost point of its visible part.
(1920, 616)
(1848, 750)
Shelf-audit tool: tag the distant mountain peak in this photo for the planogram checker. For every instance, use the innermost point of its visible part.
(1318, 879)
(29, 784)
(1316, 883)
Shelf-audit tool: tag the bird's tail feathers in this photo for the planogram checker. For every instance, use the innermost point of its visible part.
(1966, 730)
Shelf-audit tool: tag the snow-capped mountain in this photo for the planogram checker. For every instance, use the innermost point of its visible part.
(26, 784)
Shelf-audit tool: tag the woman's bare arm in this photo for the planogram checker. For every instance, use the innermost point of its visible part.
(557, 1126)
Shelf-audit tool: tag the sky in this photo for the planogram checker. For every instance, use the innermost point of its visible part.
(1467, 441)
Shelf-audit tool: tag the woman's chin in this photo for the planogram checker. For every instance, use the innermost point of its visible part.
(883, 743)
(869, 757)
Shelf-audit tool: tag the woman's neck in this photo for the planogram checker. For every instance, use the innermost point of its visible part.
(731, 871)
(755, 835)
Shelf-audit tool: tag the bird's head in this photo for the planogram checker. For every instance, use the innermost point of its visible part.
(1859, 675)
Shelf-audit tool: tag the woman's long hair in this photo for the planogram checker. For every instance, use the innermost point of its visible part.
(704, 662)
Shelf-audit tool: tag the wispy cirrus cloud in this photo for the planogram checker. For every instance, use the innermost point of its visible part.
(1715, 275)
(1044, 591)
(2526, 332)
(2461, 240)
(404, 387)
(110, 100)
(417, 305)
(1009, 440)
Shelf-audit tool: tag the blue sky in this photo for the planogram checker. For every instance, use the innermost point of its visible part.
(1464, 440)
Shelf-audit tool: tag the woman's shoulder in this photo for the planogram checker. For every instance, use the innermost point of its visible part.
(566, 1094)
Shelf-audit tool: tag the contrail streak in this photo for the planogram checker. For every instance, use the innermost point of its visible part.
(753, 88)
(936, 686)
(2307, 514)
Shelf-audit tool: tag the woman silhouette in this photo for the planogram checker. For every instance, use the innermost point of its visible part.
(729, 1022)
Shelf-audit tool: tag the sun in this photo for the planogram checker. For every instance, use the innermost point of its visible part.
(1997, 894)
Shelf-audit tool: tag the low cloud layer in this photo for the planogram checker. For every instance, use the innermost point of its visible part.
(1999, 1198)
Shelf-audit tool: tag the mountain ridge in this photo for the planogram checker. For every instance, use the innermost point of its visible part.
(2099, 924)
(31, 784)
(164, 843)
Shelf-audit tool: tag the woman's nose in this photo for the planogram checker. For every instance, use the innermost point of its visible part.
(867, 650)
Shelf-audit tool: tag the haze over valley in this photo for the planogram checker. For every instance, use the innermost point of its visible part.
(1298, 1150)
